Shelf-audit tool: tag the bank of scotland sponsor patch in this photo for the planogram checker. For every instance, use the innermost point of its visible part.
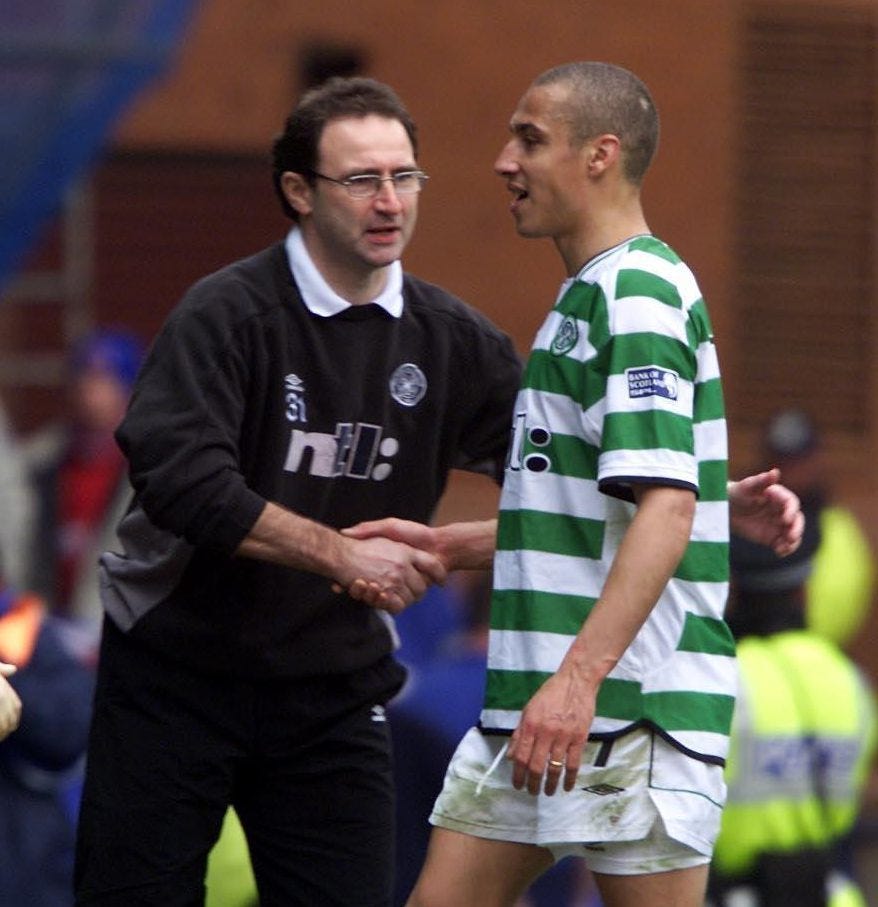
(652, 381)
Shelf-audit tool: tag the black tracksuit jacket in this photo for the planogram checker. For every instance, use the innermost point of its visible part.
(248, 397)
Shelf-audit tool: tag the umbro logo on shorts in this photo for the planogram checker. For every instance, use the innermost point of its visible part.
(603, 790)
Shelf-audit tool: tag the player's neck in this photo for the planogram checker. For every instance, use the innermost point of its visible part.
(602, 232)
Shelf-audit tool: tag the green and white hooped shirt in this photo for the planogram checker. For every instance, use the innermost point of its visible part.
(622, 386)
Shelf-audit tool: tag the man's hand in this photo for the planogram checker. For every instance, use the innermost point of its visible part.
(387, 574)
(763, 511)
(551, 735)
(406, 532)
(458, 546)
(10, 704)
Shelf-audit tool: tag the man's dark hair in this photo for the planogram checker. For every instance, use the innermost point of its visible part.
(295, 149)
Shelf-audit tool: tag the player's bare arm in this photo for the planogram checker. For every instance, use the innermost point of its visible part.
(550, 737)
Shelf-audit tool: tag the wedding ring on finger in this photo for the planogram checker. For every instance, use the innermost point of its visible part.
(556, 763)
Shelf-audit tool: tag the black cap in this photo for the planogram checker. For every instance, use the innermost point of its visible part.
(790, 433)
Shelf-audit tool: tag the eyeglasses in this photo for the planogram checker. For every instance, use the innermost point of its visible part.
(367, 185)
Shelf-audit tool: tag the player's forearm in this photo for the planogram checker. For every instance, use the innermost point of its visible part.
(467, 546)
(647, 557)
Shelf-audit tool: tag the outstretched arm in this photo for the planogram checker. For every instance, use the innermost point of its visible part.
(764, 511)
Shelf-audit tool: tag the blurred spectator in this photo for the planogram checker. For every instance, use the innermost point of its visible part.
(803, 738)
(438, 705)
(839, 590)
(10, 704)
(41, 762)
(429, 626)
(80, 478)
(16, 503)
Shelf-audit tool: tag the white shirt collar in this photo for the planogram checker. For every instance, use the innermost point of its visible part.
(319, 296)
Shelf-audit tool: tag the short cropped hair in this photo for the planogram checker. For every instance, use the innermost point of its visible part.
(296, 148)
(604, 98)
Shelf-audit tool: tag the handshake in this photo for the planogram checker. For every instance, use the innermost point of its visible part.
(392, 563)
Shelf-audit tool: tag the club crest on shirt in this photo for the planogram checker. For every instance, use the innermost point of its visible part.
(566, 338)
(295, 399)
(408, 384)
(652, 381)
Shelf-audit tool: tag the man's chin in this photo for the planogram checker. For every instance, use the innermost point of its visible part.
(528, 231)
(382, 257)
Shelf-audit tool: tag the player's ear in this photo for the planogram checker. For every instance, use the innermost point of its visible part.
(602, 153)
(298, 192)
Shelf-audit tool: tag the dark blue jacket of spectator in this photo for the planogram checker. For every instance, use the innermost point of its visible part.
(41, 762)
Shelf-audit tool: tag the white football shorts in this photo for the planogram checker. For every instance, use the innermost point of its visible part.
(644, 807)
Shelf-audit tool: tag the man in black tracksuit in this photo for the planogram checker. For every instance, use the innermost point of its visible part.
(291, 394)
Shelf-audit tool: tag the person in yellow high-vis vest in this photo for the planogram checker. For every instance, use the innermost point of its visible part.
(803, 737)
(841, 585)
